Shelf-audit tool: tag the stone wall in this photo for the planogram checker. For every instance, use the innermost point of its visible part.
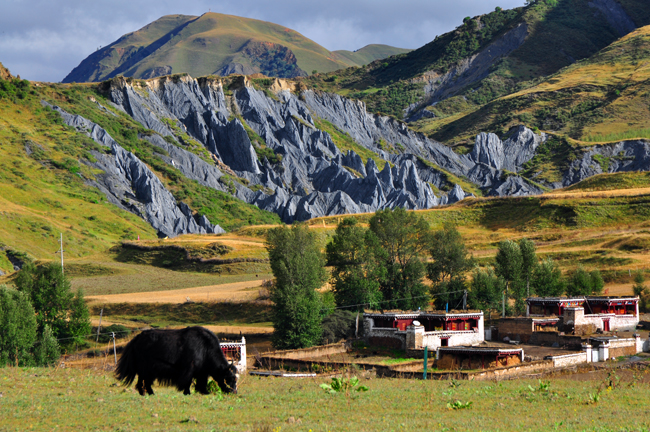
(569, 359)
(550, 338)
(519, 329)
(454, 361)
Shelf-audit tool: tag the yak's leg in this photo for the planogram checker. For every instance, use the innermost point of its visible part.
(139, 386)
(185, 380)
(221, 381)
(202, 384)
(147, 386)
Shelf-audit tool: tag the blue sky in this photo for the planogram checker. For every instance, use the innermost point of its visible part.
(43, 40)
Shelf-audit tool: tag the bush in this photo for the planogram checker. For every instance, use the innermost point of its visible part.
(338, 325)
(17, 328)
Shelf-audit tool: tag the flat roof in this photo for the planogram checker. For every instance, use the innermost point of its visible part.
(418, 314)
(481, 350)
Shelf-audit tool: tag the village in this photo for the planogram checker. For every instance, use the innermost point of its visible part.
(556, 333)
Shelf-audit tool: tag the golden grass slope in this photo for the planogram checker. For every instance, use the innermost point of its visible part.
(604, 98)
(202, 45)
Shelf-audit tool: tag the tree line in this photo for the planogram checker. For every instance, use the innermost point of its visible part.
(384, 266)
(40, 317)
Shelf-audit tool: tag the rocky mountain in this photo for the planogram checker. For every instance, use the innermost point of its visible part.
(268, 148)
(217, 44)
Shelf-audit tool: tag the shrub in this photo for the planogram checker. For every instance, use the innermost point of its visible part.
(338, 325)
(17, 327)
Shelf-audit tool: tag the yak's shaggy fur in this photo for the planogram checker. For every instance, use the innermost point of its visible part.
(175, 358)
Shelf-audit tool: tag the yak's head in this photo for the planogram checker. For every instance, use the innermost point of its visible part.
(232, 377)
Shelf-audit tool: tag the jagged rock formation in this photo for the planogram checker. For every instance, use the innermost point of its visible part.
(128, 183)
(310, 176)
(611, 158)
(314, 178)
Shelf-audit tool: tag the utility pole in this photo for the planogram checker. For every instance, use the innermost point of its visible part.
(465, 300)
(503, 313)
(61, 252)
(100, 323)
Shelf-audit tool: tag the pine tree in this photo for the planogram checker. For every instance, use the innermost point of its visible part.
(46, 351)
(17, 328)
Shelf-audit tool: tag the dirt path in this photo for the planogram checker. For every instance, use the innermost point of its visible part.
(231, 291)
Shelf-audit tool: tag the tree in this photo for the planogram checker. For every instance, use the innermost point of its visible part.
(583, 283)
(17, 327)
(299, 269)
(450, 262)
(79, 318)
(46, 351)
(404, 238)
(356, 274)
(547, 280)
(528, 261)
(640, 289)
(55, 305)
(486, 289)
(508, 265)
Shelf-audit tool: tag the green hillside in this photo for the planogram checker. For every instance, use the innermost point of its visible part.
(215, 43)
(44, 187)
(557, 33)
(601, 99)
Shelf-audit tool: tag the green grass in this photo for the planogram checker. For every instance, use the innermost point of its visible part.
(44, 399)
(622, 180)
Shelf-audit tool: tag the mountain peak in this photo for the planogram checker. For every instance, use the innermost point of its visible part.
(220, 44)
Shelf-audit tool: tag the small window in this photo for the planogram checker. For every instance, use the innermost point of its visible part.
(444, 342)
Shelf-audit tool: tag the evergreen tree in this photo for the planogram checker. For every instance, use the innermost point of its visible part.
(55, 305)
(17, 328)
(405, 239)
(298, 267)
(353, 254)
(79, 318)
(46, 351)
(450, 260)
(547, 280)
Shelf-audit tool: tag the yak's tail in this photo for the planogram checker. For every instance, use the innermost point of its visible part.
(126, 369)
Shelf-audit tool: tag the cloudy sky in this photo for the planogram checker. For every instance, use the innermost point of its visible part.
(44, 40)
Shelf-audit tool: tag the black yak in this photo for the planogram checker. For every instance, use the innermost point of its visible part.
(175, 358)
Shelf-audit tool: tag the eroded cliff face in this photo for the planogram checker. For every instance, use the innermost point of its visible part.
(129, 184)
(278, 159)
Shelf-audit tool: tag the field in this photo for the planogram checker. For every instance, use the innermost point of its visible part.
(73, 399)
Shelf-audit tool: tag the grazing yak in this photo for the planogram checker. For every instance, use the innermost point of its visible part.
(175, 358)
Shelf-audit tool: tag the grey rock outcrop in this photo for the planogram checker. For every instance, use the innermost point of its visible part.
(615, 15)
(128, 183)
(611, 158)
(467, 72)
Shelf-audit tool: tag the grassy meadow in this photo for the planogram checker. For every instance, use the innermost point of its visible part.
(75, 399)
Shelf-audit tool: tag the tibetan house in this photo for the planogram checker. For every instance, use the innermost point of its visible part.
(415, 330)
